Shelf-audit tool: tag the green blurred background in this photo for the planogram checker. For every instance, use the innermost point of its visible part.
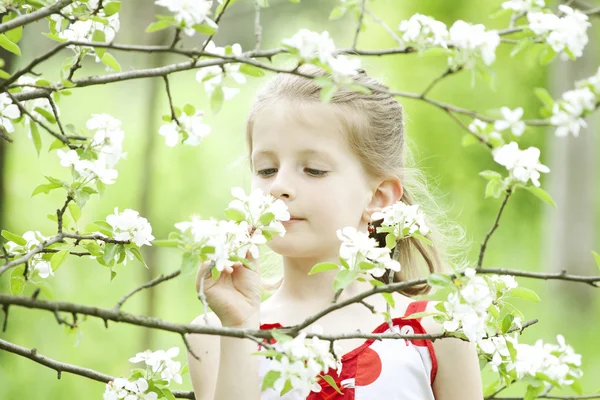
(168, 185)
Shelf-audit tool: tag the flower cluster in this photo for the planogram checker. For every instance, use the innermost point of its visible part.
(523, 165)
(253, 220)
(160, 371)
(189, 13)
(37, 263)
(360, 252)
(212, 76)
(422, 32)
(34, 105)
(128, 225)
(469, 43)
(553, 364)
(8, 111)
(568, 112)
(511, 120)
(102, 27)
(103, 153)
(566, 35)
(189, 127)
(404, 220)
(319, 48)
(298, 362)
(468, 307)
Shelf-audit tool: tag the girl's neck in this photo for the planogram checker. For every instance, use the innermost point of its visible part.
(312, 290)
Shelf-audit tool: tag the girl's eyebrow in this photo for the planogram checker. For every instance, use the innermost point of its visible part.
(307, 151)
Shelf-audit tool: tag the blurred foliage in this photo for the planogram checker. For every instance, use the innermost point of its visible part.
(197, 180)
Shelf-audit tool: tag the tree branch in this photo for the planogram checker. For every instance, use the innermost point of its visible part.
(34, 16)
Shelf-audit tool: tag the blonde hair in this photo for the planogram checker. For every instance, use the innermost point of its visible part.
(374, 127)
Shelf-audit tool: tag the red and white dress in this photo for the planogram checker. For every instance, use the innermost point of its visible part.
(390, 369)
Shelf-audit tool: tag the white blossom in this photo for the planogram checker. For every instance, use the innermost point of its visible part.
(567, 113)
(472, 42)
(343, 68)
(421, 32)
(37, 263)
(88, 169)
(406, 219)
(108, 139)
(568, 32)
(523, 165)
(212, 76)
(189, 13)
(301, 360)
(129, 390)
(512, 120)
(256, 204)
(192, 126)
(128, 225)
(357, 246)
(8, 111)
(312, 45)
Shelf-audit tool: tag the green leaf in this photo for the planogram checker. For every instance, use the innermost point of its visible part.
(343, 279)
(188, 262)
(266, 218)
(389, 298)
(489, 175)
(189, 109)
(269, 379)
(520, 46)
(390, 241)
(14, 238)
(57, 144)
(337, 13)
(4, 74)
(75, 211)
(45, 188)
(324, 266)
(136, 252)
(8, 45)
(100, 37)
(547, 55)
(35, 135)
(235, 214)
(204, 29)
(112, 8)
(14, 35)
(544, 97)
(216, 100)
(17, 280)
(494, 188)
(541, 194)
(109, 60)
(524, 293)
(110, 250)
(158, 26)
(439, 280)
(58, 258)
(507, 322)
(327, 93)
(113, 275)
(251, 70)
(332, 383)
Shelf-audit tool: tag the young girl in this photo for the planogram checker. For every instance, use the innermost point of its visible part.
(333, 164)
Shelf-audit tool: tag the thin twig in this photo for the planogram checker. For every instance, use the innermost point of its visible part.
(168, 89)
(257, 26)
(159, 279)
(60, 367)
(492, 230)
(360, 21)
(25, 19)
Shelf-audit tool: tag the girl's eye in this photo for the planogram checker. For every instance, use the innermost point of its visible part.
(311, 171)
(265, 172)
(315, 172)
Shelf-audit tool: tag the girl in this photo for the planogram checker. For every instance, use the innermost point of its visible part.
(333, 165)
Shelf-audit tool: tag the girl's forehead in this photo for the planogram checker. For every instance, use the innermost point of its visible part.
(302, 126)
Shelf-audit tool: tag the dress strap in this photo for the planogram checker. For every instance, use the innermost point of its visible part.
(416, 307)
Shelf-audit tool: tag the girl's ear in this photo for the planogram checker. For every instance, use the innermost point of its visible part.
(387, 192)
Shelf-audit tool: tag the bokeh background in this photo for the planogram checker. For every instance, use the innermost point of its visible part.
(168, 185)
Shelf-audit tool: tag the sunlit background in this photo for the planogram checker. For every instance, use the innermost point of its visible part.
(168, 185)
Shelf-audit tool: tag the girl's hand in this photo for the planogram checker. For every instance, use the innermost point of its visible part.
(235, 295)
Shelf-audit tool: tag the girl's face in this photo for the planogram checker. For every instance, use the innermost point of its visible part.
(300, 155)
